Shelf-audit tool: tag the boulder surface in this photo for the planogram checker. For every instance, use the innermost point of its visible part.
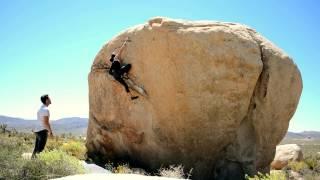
(219, 95)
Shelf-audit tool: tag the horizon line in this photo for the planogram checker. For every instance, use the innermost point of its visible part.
(292, 131)
(27, 119)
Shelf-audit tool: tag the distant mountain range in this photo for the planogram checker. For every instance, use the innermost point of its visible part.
(73, 125)
(78, 126)
(303, 135)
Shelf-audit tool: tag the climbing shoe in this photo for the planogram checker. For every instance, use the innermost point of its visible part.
(125, 76)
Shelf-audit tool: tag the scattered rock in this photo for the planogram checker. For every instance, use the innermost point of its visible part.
(139, 171)
(286, 153)
(295, 175)
(26, 155)
(215, 90)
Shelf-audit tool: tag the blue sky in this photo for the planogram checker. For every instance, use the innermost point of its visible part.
(48, 46)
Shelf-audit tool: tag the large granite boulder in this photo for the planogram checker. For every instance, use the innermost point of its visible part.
(219, 96)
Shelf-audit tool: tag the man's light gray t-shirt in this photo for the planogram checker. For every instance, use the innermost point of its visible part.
(42, 112)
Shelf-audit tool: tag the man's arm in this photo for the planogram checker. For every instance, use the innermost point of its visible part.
(119, 54)
(47, 124)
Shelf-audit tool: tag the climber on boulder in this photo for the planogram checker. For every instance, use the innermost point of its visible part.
(119, 71)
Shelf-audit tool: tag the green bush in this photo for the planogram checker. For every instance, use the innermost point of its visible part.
(298, 166)
(60, 163)
(54, 143)
(49, 164)
(32, 169)
(74, 148)
(10, 156)
(274, 175)
(313, 161)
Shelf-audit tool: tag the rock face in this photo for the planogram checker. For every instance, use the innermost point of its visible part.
(286, 153)
(217, 92)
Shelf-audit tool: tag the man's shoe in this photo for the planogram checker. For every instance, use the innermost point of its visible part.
(125, 77)
(134, 97)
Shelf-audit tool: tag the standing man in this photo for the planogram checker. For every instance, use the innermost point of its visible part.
(42, 132)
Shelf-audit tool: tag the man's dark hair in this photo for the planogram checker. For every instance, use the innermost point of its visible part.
(112, 57)
(44, 98)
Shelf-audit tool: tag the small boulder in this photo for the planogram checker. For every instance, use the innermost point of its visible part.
(295, 175)
(286, 153)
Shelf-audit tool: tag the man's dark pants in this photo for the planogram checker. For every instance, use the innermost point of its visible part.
(118, 75)
(41, 140)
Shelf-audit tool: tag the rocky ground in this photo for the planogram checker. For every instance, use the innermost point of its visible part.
(104, 176)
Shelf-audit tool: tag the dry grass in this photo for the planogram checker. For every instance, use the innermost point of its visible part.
(174, 172)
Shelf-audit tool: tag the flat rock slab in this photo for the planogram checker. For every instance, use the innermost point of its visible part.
(93, 168)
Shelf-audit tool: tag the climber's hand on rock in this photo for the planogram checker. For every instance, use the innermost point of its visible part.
(127, 40)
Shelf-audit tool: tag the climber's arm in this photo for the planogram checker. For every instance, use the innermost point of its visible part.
(119, 54)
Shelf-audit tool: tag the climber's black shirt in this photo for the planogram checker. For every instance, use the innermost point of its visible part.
(115, 67)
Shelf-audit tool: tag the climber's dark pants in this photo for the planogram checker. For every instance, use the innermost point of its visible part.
(41, 140)
(117, 74)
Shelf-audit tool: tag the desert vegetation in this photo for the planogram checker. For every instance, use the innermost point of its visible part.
(63, 154)
(60, 158)
(308, 168)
